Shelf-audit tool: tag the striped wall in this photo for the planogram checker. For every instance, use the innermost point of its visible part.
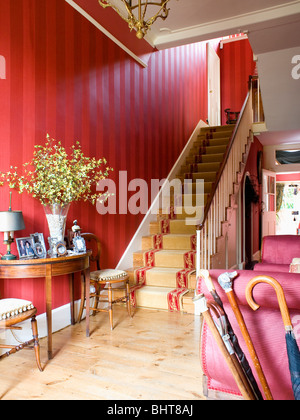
(236, 66)
(65, 78)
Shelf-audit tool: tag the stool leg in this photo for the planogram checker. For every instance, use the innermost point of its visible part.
(128, 298)
(110, 306)
(36, 342)
(97, 297)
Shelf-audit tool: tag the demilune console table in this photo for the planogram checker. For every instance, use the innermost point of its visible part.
(48, 268)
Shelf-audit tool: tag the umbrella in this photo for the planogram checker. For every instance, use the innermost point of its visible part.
(225, 281)
(291, 343)
(234, 340)
(219, 334)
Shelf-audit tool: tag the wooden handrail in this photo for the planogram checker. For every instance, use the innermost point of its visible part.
(226, 155)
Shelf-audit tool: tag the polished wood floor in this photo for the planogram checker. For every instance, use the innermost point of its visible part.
(153, 356)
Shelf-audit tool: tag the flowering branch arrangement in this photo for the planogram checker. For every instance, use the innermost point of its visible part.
(53, 176)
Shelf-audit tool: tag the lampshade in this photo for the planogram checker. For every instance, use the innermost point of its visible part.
(11, 221)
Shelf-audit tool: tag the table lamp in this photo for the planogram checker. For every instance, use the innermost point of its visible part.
(10, 222)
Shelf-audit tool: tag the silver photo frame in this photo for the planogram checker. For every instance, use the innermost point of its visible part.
(79, 244)
(39, 246)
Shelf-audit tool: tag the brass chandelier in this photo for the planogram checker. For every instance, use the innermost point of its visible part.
(140, 22)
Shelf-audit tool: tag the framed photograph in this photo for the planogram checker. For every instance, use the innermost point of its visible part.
(79, 244)
(25, 247)
(61, 249)
(39, 246)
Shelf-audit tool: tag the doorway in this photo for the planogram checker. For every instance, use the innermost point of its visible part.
(288, 208)
(251, 199)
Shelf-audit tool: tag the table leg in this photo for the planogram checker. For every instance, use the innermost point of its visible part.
(87, 300)
(71, 282)
(49, 308)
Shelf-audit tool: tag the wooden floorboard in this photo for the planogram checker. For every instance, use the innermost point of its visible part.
(153, 356)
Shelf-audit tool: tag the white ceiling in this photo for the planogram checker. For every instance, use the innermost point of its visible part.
(199, 20)
(273, 28)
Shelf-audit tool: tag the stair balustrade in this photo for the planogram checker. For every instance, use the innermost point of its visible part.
(226, 185)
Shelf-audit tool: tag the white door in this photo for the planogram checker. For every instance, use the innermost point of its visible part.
(214, 95)
(269, 203)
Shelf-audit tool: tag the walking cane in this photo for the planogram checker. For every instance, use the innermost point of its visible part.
(224, 350)
(222, 327)
(291, 343)
(225, 281)
(234, 340)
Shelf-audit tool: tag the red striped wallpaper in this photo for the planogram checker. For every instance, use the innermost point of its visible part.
(67, 79)
(236, 66)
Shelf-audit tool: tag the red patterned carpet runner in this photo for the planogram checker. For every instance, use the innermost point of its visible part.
(149, 258)
(158, 241)
(182, 278)
(193, 242)
(165, 226)
(140, 281)
(189, 260)
(175, 297)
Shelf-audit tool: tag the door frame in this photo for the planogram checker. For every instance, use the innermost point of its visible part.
(213, 86)
(268, 215)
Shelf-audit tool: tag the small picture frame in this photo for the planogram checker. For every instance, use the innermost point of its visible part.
(61, 249)
(79, 244)
(25, 247)
(39, 246)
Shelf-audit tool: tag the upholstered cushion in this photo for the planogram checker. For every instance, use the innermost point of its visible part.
(275, 268)
(108, 274)
(295, 266)
(13, 307)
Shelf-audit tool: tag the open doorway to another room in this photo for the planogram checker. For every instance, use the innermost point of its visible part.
(251, 200)
(288, 204)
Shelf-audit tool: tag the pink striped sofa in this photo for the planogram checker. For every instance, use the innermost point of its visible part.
(266, 330)
(278, 252)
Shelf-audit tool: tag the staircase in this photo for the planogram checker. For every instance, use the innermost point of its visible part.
(163, 273)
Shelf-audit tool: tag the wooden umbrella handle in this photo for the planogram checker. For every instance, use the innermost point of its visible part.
(280, 296)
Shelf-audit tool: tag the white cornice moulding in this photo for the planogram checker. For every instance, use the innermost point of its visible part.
(223, 27)
(106, 32)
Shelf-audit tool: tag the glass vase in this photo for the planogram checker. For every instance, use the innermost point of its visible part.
(56, 215)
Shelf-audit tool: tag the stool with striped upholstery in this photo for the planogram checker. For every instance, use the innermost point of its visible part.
(107, 279)
(12, 312)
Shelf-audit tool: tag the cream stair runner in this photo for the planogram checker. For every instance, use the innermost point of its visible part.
(163, 273)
